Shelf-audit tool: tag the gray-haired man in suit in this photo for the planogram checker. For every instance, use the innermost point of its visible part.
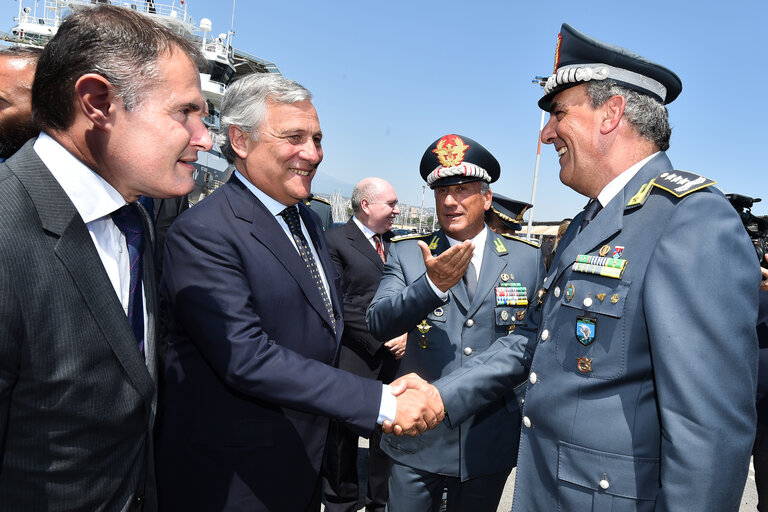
(78, 365)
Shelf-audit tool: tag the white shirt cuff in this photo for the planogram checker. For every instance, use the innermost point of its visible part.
(441, 294)
(388, 407)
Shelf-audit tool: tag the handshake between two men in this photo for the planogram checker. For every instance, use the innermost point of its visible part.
(419, 407)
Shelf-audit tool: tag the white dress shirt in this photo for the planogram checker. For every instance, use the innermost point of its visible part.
(94, 200)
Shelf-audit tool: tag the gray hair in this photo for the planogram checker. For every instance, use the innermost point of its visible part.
(245, 104)
(646, 114)
(21, 52)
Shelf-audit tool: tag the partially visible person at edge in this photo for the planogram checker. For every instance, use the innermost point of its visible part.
(119, 102)
(17, 71)
(641, 396)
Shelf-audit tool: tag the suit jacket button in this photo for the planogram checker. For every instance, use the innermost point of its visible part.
(469, 322)
(138, 500)
(468, 351)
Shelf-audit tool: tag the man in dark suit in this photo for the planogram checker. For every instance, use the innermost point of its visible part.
(358, 249)
(77, 295)
(256, 323)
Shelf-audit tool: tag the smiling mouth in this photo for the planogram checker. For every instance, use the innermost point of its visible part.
(301, 172)
(563, 150)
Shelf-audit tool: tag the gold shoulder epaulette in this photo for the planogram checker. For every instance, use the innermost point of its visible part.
(412, 236)
(532, 243)
(318, 198)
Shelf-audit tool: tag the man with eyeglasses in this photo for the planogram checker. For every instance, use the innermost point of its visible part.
(455, 292)
(358, 249)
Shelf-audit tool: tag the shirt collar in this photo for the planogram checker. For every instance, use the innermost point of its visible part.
(274, 207)
(368, 232)
(620, 181)
(92, 196)
(479, 242)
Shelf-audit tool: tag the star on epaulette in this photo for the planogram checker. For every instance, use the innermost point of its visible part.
(677, 183)
(532, 243)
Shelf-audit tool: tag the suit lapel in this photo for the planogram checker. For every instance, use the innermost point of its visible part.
(77, 253)
(360, 243)
(265, 228)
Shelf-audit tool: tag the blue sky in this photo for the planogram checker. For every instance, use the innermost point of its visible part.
(390, 77)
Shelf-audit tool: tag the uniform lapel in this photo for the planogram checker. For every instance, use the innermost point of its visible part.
(492, 266)
(77, 253)
(608, 222)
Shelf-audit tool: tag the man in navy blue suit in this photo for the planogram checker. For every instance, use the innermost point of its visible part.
(256, 324)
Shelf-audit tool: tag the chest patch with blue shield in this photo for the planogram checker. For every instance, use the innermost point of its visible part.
(586, 329)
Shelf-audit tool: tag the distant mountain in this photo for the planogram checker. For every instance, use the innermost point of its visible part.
(323, 183)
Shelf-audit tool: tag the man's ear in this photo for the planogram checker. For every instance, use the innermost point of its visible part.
(238, 139)
(613, 111)
(95, 98)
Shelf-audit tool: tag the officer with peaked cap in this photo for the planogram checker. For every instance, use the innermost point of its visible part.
(642, 377)
(505, 214)
(455, 292)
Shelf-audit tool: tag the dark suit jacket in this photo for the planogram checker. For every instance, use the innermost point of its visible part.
(76, 395)
(249, 382)
(360, 267)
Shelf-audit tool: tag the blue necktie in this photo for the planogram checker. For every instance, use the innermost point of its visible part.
(128, 221)
(590, 211)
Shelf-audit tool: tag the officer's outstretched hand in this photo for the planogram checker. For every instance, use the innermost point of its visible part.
(412, 387)
(448, 268)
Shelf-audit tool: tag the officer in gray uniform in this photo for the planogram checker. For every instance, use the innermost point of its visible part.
(452, 314)
(641, 388)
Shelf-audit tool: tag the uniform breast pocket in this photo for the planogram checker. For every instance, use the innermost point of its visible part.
(605, 482)
(590, 323)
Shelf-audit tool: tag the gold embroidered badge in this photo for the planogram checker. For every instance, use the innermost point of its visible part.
(450, 150)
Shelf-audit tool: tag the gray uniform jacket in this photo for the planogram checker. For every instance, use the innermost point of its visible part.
(459, 331)
(641, 390)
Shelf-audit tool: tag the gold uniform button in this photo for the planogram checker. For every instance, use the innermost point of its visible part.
(467, 351)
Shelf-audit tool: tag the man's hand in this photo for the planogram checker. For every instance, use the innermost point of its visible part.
(421, 403)
(448, 268)
(397, 345)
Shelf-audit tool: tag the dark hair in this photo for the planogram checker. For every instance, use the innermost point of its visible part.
(21, 52)
(119, 44)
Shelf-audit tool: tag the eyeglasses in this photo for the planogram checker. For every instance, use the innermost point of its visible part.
(391, 204)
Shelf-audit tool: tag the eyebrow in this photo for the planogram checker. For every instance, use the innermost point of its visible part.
(191, 106)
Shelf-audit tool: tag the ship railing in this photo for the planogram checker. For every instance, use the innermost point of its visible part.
(172, 13)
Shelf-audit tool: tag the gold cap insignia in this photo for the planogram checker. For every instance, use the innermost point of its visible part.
(450, 150)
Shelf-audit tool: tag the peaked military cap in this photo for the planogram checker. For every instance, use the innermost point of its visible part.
(509, 210)
(454, 159)
(580, 58)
